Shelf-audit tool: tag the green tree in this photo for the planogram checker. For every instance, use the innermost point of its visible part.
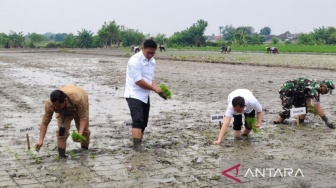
(331, 33)
(265, 31)
(85, 39)
(255, 39)
(110, 34)
(275, 41)
(4, 41)
(97, 43)
(229, 33)
(70, 41)
(59, 37)
(35, 38)
(287, 42)
(15, 40)
(191, 36)
(160, 38)
(132, 37)
(306, 39)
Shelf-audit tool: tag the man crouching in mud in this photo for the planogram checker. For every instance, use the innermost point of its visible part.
(69, 102)
(139, 83)
(240, 101)
(304, 92)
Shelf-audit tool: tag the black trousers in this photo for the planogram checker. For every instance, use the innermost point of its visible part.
(139, 113)
(238, 121)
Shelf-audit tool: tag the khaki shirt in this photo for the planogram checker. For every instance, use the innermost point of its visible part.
(77, 104)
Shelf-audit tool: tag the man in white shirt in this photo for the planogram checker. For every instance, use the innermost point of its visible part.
(240, 101)
(139, 83)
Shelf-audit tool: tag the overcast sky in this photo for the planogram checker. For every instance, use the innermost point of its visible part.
(165, 16)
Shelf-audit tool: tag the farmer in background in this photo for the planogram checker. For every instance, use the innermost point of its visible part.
(304, 92)
(240, 101)
(136, 49)
(272, 50)
(139, 83)
(70, 102)
(162, 48)
(226, 49)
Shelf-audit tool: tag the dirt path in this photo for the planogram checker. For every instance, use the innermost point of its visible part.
(178, 150)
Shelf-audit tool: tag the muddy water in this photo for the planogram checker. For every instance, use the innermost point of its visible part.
(177, 144)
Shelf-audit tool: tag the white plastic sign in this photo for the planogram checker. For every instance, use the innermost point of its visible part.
(217, 117)
(26, 129)
(297, 111)
(128, 124)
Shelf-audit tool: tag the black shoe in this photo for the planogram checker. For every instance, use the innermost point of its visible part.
(85, 147)
(330, 125)
(278, 122)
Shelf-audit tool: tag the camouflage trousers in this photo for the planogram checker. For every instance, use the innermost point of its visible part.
(288, 102)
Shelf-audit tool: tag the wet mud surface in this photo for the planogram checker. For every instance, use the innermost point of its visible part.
(177, 146)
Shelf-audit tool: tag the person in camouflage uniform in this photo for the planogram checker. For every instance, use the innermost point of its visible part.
(304, 92)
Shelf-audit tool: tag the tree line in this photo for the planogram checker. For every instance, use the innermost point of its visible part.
(113, 35)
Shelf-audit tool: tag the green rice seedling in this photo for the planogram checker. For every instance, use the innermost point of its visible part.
(183, 58)
(76, 137)
(312, 110)
(166, 91)
(72, 154)
(241, 59)
(33, 156)
(16, 155)
(252, 121)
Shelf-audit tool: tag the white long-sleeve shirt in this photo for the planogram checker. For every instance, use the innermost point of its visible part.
(139, 67)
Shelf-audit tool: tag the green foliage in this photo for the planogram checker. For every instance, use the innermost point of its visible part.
(252, 121)
(287, 42)
(160, 38)
(110, 34)
(70, 41)
(85, 39)
(4, 40)
(275, 41)
(60, 37)
(76, 137)
(265, 31)
(72, 154)
(228, 33)
(53, 45)
(306, 39)
(35, 38)
(192, 36)
(165, 90)
(132, 37)
(15, 40)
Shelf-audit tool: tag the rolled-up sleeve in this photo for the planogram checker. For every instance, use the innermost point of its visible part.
(48, 113)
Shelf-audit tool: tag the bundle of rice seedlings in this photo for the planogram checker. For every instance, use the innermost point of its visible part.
(252, 121)
(76, 137)
(165, 90)
(312, 109)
